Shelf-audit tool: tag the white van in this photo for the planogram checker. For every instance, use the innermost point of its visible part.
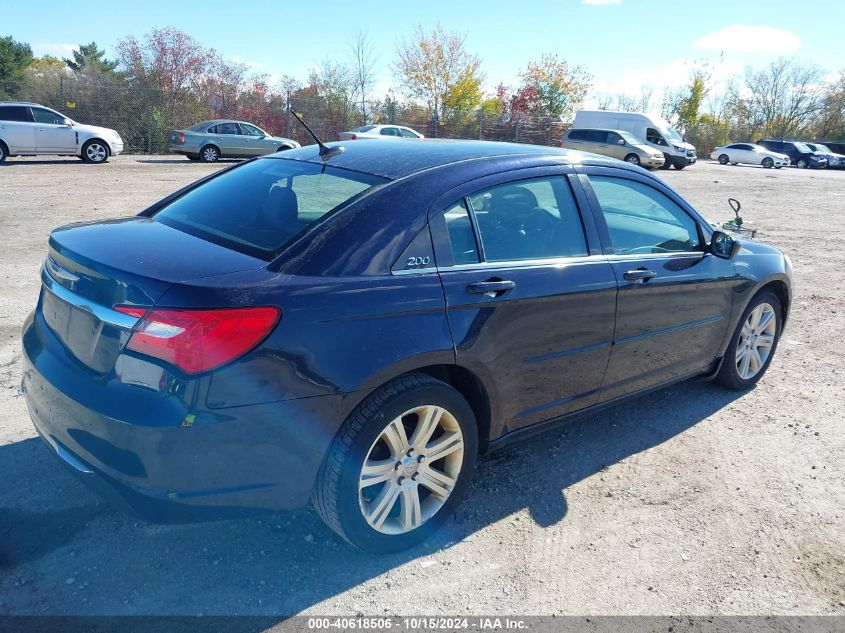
(655, 131)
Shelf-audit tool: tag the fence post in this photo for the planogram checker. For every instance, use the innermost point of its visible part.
(287, 115)
(480, 123)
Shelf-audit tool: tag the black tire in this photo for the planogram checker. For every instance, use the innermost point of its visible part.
(667, 162)
(192, 158)
(4, 151)
(336, 493)
(679, 166)
(209, 154)
(728, 375)
(95, 151)
(723, 159)
(778, 166)
(633, 159)
(802, 163)
(768, 163)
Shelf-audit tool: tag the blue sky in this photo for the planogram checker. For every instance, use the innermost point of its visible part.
(623, 43)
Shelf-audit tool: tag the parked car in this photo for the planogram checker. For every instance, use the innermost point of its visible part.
(371, 320)
(614, 143)
(378, 131)
(30, 129)
(835, 146)
(799, 154)
(833, 159)
(210, 141)
(749, 154)
(657, 132)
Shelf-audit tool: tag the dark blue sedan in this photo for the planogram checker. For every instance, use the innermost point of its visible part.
(354, 328)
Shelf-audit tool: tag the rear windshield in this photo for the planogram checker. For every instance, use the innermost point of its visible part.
(365, 128)
(200, 127)
(259, 207)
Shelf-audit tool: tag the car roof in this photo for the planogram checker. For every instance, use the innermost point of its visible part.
(21, 103)
(398, 158)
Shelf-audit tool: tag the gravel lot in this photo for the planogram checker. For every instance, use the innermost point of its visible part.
(691, 500)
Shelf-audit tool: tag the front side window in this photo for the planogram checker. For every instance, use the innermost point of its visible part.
(528, 219)
(578, 135)
(405, 133)
(259, 207)
(15, 114)
(642, 220)
(250, 130)
(653, 136)
(46, 116)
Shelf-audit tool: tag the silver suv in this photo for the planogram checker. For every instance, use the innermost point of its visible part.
(29, 129)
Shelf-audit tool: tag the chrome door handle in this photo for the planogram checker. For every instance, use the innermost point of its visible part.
(640, 275)
(491, 288)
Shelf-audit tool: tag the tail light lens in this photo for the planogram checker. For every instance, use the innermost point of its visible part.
(353, 137)
(197, 341)
(180, 138)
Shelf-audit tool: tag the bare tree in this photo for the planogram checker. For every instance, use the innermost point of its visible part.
(784, 96)
(625, 102)
(646, 93)
(363, 68)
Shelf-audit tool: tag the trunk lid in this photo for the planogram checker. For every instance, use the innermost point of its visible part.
(92, 267)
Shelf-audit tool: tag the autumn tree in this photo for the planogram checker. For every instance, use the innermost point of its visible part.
(89, 57)
(560, 88)
(438, 69)
(14, 58)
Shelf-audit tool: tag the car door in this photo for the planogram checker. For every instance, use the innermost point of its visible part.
(530, 299)
(51, 133)
(389, 131)
(229, 139)
(256, 142)
(614, 147)
(17, 129)
(674, 298)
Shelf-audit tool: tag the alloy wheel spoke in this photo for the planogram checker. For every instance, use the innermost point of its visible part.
(410, 514)
(755, 362)
(439, 483)
(743, 365)
(382, 505)
(764, 321)
(765, 341)
(396, 438)
(445, 445)
(375, 472)
(425, 427)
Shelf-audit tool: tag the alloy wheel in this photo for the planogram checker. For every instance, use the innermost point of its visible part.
(210, 155)
(411, 469)
(756, 340)
(96, 153)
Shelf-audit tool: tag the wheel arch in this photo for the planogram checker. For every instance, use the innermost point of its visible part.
(4, 146)
(94, 138)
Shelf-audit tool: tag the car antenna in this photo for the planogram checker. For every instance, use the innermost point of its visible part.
(326, 152)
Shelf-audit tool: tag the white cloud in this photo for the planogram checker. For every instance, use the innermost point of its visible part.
(53, 48)
(742, 38)
(600, 2)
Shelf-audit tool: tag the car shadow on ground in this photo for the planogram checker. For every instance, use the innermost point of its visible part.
(58, 541)
(11, 162)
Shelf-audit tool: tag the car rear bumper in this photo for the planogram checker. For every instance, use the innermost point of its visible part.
(203, 464)
(185, 150)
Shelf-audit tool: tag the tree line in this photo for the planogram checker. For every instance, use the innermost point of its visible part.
(168, 80)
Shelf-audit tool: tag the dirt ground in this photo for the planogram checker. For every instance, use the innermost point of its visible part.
(691, 500)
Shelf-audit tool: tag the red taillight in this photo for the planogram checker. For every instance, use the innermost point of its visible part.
(353, 137)
(337, 136)
(180, 138)
(199, 340)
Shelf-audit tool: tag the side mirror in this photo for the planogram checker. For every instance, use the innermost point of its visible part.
(67, 123)
(723, 245)
(621, 141)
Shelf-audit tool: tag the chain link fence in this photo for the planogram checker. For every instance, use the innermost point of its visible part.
(144, 116)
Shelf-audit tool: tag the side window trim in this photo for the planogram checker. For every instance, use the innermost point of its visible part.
(604, 233)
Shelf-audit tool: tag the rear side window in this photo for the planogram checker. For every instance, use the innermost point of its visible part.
(257, 208)
(461, 235)
(528, 219)
(228, 128)
(15, 113)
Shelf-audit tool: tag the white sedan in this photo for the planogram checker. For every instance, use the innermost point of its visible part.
(749, 154)
(378, 131)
